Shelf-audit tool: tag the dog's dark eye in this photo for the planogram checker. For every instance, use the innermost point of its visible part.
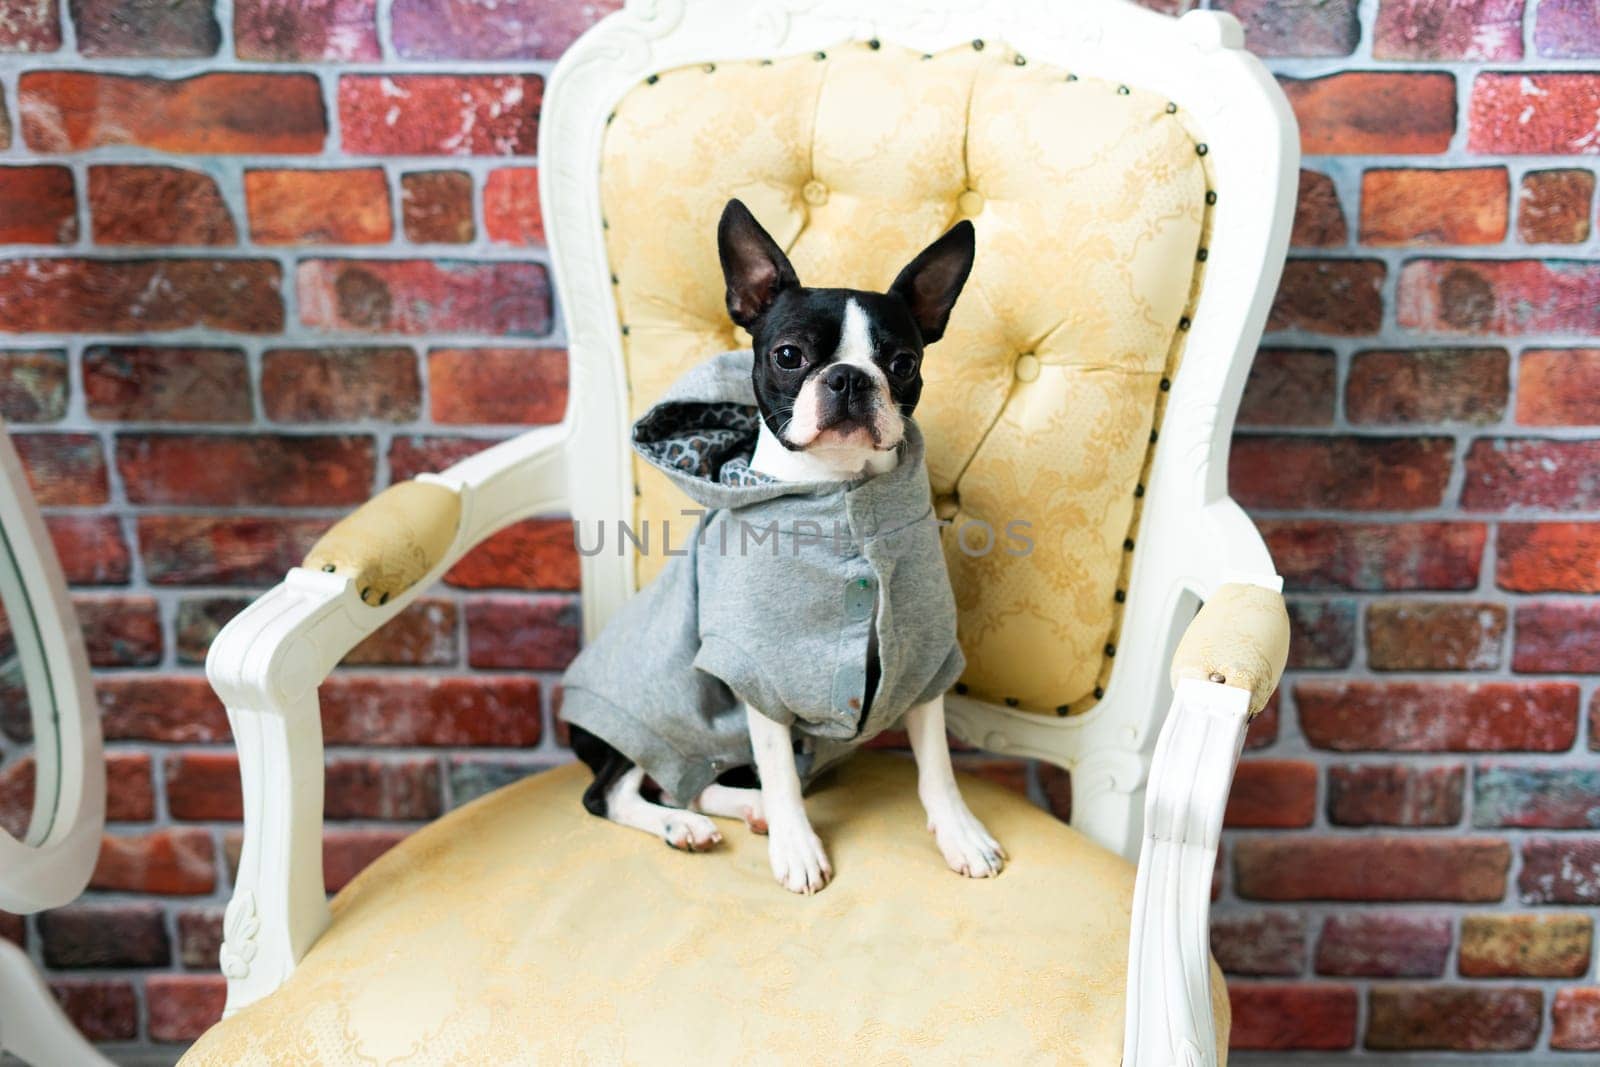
(903, 365)
(787, 356)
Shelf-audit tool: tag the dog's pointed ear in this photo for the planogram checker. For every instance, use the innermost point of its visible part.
(930, 283)
(754, 267)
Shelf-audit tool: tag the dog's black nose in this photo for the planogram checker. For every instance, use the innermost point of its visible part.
(847, 381)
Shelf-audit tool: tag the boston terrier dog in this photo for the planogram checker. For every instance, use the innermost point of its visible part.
(836, 376)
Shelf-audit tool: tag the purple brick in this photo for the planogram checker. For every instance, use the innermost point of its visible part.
(1567, 29)
(1449, 29)
(1383, 945)
(286, 30)
(509, 29)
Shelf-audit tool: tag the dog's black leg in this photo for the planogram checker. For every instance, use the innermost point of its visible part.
(607, 764)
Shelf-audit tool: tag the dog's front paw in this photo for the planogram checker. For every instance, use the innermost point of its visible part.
(968, 848)
(798, 860)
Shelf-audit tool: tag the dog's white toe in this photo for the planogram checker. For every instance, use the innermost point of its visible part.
(967, 847)
(798, 860)
(690, 832)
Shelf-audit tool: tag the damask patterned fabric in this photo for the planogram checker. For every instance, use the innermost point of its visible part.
(1089, 201)
(520, 930)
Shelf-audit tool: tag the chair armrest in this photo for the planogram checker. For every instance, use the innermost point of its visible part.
(267, 663)
(1240, 639)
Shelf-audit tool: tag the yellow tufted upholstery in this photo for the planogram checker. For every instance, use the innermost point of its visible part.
(520, 930)
(1090, 206)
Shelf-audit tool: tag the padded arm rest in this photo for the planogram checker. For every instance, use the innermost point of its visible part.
(391, 541)
(1240, 639)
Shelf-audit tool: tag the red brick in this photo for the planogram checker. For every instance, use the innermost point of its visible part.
(440, 114)
(1549, 557)
(411, 456)
(1342, 297)
(1365, 944)
(1362, 716)
(1322, 634)
(536, 554)
(90, 547)
(1575, 1018)
(223, 550)
(1290, 387)
(309, 385)
(103, 1009)
(116, 935)
(204, 786)
(1543, 798)
(1395, 795)
(37, 206)
(1303, 867)
(1557, 639)
(199, 938)
(65, 469)
(177, 862)
(1453, 1018)
(540, 635)
(419, 296)
(139, 383)
(286, 30)
(318, 207)
(1315, 555)
(1428, 385)
(183, 1006)
(30, 26)
(1567, 29)
(1553, 206)
(383, 789)
(1526, 472)
(122, 631)
(146, 205)
(33, 385)
(411, 710)
(139, 296)
(1292, 1017)
(142, 707)
(1502, 296)
(1371, 113)
(1349, 473)
(1562, 870)
(1259, 944)
(260, 470)
(1525, 946)
(1448, 29)
(511, 29)
(1272, 794)
(517, 386)
(1408, 635)
(1434, 207)
(1559, 387)
(168, 29)
(1534, 114)
(437, 206)
(208, 114)
(511, 209)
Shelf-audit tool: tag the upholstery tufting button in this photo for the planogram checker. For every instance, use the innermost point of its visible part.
(814, 193)
(1027, 367)
(946, 506)
(970, 202)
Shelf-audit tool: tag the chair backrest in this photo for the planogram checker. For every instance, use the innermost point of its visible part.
(1131, 179)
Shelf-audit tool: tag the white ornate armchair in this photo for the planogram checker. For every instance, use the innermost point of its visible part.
(1131, 178)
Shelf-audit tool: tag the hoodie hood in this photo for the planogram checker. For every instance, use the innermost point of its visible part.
(703, 433)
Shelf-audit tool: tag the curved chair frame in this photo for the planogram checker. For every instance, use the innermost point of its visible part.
(268, 662)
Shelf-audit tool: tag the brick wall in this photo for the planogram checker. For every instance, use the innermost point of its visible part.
(264, 257)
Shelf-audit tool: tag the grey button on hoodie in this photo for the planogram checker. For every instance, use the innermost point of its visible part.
(771, 603)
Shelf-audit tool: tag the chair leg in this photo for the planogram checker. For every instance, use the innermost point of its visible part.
(32, 1025)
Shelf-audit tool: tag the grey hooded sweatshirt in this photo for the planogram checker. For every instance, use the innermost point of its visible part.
(770, 604)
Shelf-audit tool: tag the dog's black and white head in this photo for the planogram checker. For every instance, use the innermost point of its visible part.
(837, 371)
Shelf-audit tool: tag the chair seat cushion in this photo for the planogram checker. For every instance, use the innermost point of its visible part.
(520, 929)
